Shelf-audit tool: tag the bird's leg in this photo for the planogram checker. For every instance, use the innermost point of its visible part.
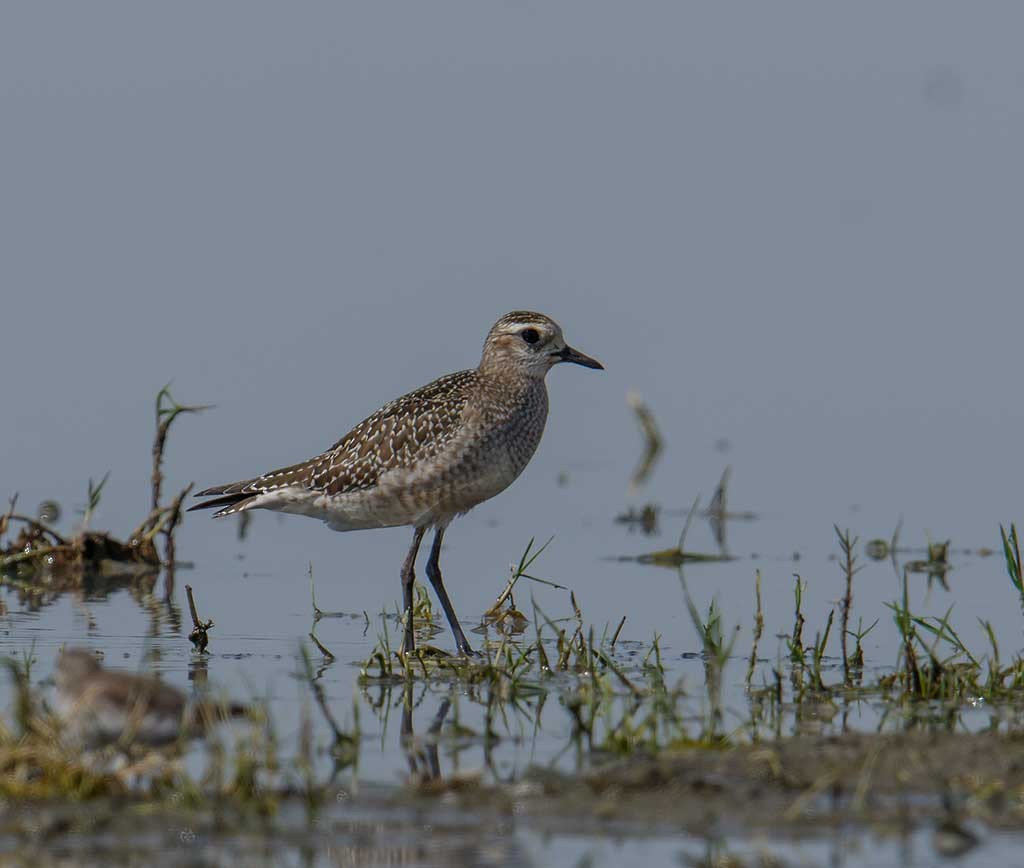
(434, 574)
(408, 577)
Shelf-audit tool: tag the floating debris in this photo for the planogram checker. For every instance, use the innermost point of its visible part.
(677, 556)
(877, 549)
(39, 550)
(48, 512)
(936, 566)
(645, 518)
(38, 553)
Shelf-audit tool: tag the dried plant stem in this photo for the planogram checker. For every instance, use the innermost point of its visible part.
(321, 647)
(37, 526)
(174, 518)
(31, 554)
(615, 637)
(167, 410)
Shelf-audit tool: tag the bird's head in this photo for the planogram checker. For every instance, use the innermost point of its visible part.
(73, 665)
(530, 343)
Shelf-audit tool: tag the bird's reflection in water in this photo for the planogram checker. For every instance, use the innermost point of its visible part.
(421, 752)
(481, 735)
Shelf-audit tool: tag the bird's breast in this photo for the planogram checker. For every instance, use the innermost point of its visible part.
(497, 436)
(494, 449)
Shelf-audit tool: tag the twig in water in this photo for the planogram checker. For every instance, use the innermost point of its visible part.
(30, 554)
(319, 613)
(198, 637)
(38, 527)
(321, 647)
(615, 637)
(33, 523)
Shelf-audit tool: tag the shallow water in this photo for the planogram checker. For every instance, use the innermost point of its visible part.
(795, 234)
(263, 611)
(436, 835)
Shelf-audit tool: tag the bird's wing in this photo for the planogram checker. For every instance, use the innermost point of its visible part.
(403, 431)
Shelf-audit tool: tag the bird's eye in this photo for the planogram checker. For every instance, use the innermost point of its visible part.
(531, 336)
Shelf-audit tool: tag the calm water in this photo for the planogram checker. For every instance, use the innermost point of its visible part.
(793, 230)
(258, 593)
(436, 836)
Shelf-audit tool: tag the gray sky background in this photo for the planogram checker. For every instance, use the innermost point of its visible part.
(794, 225)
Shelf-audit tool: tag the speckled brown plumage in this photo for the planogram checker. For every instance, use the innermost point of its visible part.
(430, 455)
(412, 428)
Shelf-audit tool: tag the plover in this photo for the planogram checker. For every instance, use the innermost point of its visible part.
(103, 706)
(428, 456)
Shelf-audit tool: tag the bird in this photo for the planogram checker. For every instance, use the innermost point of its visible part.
(101, 706)
(427, 457)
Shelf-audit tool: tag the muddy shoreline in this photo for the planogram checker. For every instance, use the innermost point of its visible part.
(796, 788)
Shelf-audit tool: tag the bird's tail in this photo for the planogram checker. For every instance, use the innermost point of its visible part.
(239, 496)
(227, 499)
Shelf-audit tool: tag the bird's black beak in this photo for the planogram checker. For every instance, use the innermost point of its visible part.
(577, 358)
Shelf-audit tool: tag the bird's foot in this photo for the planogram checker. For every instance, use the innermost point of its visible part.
(466, 651)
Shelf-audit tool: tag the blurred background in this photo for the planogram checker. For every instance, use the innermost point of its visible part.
(794, 228)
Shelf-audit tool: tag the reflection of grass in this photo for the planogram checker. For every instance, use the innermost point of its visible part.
(621, 705)
(652, 440)
(678, 556)
(612, 706)
(607, 694)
